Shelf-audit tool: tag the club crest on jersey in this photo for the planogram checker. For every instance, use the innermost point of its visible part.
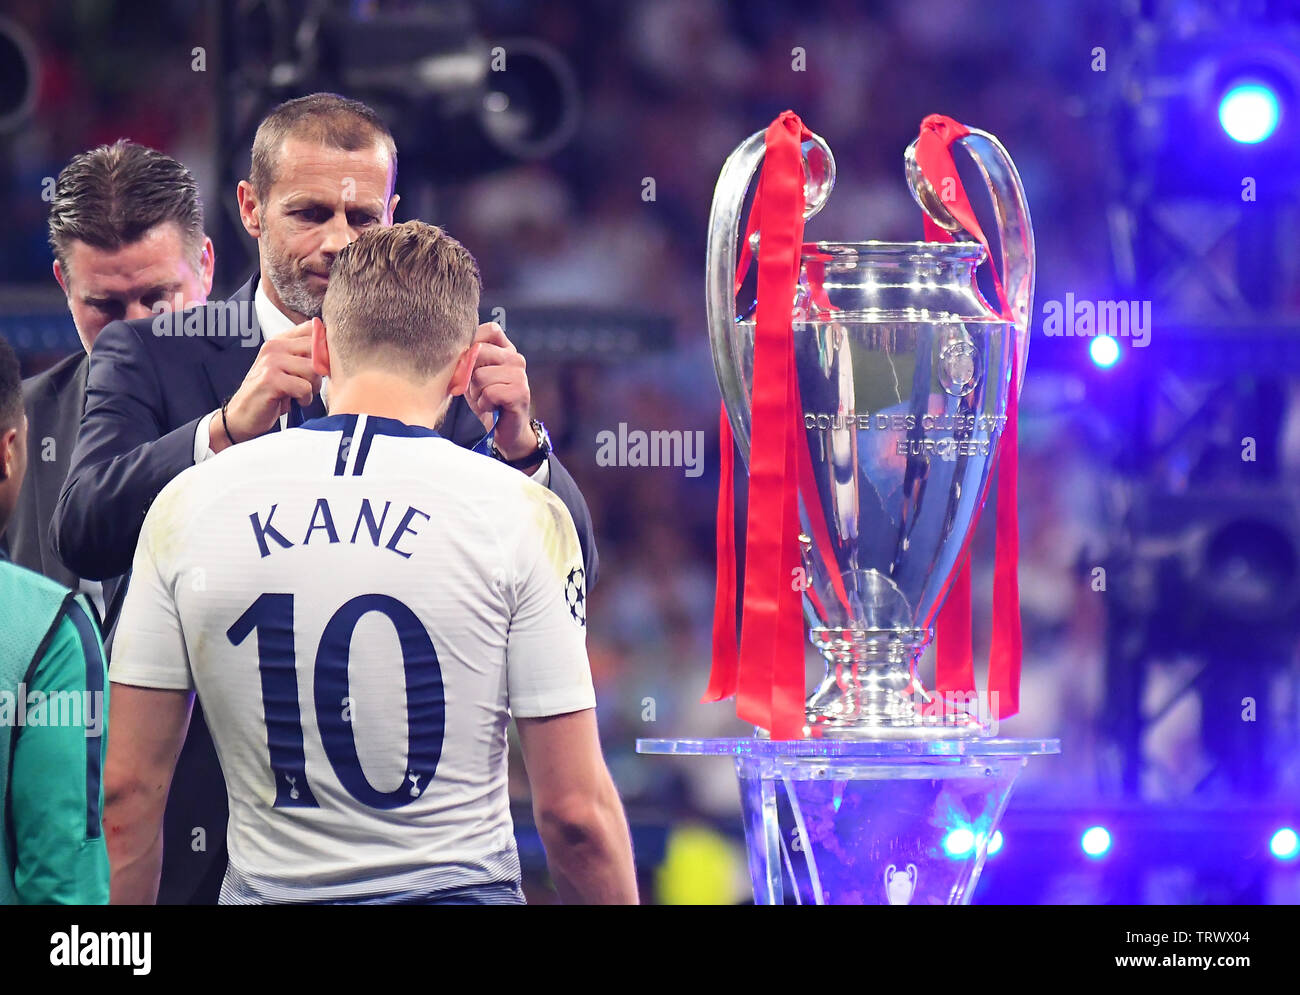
(575, 594)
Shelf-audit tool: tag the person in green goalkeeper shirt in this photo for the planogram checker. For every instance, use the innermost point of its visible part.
(53, 712)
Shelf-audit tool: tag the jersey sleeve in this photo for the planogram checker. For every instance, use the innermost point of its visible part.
(149, 645)
(547, 668)
(56, 787)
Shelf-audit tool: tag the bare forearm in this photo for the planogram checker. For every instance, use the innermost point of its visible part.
(592, 863)
(135, 852)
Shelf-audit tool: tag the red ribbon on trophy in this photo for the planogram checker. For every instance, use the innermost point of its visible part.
(767, 675)
(766, 672)
(954, 670)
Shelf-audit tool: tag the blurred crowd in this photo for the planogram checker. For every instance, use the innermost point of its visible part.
(669, 89)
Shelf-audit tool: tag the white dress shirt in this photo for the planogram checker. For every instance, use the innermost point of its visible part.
(94, 590)
(274, 323)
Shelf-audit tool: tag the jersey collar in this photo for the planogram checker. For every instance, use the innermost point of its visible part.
(374, 426)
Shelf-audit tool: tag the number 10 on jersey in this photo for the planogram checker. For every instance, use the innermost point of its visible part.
(271, 616)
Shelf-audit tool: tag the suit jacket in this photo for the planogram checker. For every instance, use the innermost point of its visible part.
(54, 401)
(145, 396)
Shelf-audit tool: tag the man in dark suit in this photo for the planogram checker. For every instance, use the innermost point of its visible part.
(54, 401)
(110, 264)
(167, 392)
(126, 227)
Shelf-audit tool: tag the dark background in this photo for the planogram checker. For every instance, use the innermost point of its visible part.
(1109, 110)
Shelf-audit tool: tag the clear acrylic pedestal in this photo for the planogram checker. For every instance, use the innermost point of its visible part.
(867, 822)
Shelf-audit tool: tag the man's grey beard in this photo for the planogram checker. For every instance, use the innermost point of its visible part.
(291, 288)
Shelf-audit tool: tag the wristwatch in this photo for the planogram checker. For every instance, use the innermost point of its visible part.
(533, 459)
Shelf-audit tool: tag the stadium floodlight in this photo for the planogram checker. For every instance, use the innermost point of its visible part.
(959, 842)
(1096, 841)
(1285, 845)
(1104, 351)
(1249, 111)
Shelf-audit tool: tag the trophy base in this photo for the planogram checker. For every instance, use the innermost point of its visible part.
(871, 692)
(851, 731)
(867, 823)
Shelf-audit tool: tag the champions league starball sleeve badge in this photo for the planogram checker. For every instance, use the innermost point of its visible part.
(872, 391)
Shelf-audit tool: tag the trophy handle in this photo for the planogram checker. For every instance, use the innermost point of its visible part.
(1015, 230)
(720, 268)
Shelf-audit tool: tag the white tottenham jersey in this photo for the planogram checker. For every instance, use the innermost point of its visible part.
(360, 606)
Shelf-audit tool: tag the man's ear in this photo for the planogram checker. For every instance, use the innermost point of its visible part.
(463, 371)
(320, 351)
(207, 266)
(248, 205)
(62, 277)
(8, 452)
(392, 208)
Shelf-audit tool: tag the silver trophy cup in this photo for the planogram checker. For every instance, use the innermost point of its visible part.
(903, 371)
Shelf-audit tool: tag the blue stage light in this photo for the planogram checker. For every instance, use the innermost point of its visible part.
(1104, 351)
(1249, 112)
(1285, 844)
(959, 842)
(995, 844)
(1096, 841)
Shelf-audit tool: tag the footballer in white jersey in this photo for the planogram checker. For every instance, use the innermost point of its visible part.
(360, 605)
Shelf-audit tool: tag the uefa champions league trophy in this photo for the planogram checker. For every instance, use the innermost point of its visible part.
(904, 373)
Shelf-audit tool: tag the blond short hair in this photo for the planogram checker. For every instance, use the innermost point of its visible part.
(404, 297)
